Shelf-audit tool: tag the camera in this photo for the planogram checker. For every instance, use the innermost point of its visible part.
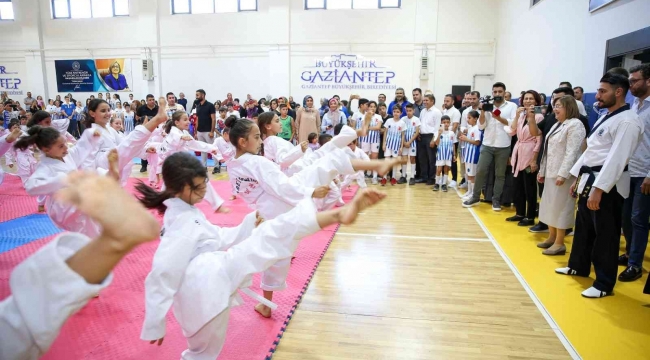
(488, 103)
(538, 109)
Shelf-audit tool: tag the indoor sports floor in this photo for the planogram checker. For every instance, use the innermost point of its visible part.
(420, 277)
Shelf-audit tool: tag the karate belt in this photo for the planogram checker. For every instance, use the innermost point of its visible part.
(590, 180)
(255, 296)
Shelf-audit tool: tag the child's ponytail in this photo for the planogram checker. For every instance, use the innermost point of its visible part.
(178, 170)
(43, 137)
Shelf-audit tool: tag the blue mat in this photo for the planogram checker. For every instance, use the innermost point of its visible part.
(20, 231)
(210, 161)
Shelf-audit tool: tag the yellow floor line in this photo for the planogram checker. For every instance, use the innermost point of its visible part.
(615, 327)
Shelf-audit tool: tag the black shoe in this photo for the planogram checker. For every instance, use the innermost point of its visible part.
(496, 205)
(623, 259)
(420, 181)
(436, 187)
(526, 222)
(215, 170)
(462, 181)
(412, 181)
(470, 203)
(630, 274)
(218, 167)
(539, 228)
(444, 188)
(568, 232)
(401, 180)
(143, 169)
(515, 218)
(430, 182)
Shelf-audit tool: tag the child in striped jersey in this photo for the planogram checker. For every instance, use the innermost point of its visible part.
(410, 142)
(472, 150)
(394, 140)
(370, 146)
(357, 118)
(445, 153)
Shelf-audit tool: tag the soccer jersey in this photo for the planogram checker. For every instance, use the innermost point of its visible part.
(129, 121)
(394, 130)
(446, 145)
(471, 152)
(358, 119)
(412, 126)
(373, 135)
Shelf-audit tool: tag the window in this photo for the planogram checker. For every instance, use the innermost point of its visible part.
(352, 4)
(85, 9)
(212, 6)
(6, 10)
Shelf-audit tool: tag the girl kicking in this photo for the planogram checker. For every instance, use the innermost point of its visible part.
(264, 187)
(198, 267)
(5, 145)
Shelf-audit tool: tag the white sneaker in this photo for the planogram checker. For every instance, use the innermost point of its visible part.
(452, 184)
(374, 181)
(463, 186)
(594, 293)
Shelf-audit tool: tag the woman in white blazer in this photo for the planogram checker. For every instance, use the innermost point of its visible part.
(563, 146)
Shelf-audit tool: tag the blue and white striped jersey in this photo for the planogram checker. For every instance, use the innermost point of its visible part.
(446, 145)
(412, 126)
(394, 130)
(471, 152)
(373, 135)
(358, 119)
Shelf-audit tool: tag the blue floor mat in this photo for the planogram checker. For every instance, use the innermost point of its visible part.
(20, 231)
(210, 161)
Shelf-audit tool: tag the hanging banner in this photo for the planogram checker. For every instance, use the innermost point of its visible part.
(10, 80)
(92, 75)
(347, 72)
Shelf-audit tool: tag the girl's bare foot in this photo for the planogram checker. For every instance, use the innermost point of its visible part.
(161, 117)
(233, 197)
(364, 199)
(263, 310)
(387, 165)
(121, 216)
(41, 208)
(113, 162)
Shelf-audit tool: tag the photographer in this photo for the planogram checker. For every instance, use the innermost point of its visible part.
(495, 115)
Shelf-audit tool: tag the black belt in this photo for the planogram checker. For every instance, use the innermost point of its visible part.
(590, 180)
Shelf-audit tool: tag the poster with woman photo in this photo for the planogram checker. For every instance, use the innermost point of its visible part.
(87, 75)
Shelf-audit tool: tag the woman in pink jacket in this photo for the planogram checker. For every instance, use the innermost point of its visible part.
(524, 159)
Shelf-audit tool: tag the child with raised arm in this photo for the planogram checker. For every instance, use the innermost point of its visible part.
(445, 142)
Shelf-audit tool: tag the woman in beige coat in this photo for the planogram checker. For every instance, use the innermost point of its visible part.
(308, 119)
(563, 146)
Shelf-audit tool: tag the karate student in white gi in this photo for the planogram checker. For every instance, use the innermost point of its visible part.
(5, 145)
(264, 187)
(198, 267)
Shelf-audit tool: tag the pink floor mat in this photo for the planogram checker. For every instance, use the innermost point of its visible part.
(108, 328)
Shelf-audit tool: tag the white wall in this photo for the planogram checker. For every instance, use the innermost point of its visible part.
(261, 52)
(560, 40)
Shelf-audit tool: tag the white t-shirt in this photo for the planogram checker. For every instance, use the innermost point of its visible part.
(454, 115)
(234, 112)
(581, 108)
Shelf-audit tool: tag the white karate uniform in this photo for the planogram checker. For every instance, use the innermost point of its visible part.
(226, 150)
(282, 152)
(267, 189)
(61, 124)
(173, 143)
(198, 268)
(49, 177)
(152, 158)
(611, 147)
(359, 177)
(128, 149)
(4, 148)
(23, 159)
(45, 292)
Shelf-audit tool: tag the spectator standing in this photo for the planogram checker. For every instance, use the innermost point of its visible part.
(636, 208)
(495, 146)
(207, 121)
